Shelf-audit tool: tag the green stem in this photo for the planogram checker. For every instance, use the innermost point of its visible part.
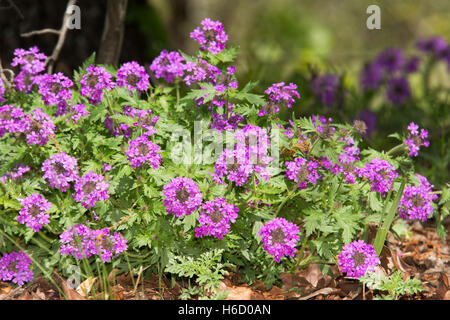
(400, 147)
(290, 192)
(382, 232)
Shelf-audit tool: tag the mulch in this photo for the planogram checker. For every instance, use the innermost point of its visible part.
(421, 255)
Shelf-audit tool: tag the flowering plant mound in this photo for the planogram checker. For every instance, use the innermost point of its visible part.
(195, 171)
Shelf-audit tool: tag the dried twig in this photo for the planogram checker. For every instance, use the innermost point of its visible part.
(12, 5)
(6, 82)
(38, 32)
(61, 33)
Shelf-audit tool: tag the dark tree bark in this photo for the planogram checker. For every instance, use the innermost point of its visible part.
(113, 31)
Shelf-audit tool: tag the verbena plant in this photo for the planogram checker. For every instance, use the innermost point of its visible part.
(192, 176)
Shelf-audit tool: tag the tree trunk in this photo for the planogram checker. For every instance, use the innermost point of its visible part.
(112, 38)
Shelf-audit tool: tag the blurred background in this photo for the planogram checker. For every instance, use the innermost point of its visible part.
(276, 38)
(282, 40)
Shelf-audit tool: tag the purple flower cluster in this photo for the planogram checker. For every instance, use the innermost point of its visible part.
(33, 214)
(76, 112)
(82, 243)
(347, 161)
(132, 76)
(16, 174)
(220, 122)
(15, 267)
(181, 196)
(168, 65)
(91, 188)
(143, 119)
(325, 88)
(415, 139)
(60, 169)
(357, 258)
(417, 201)
(199, 71)
(249, 155)
(323, 126)
(95, 82)
(55, 88)
(302, 171)
(279, 95)
(211, 36)
(279, 238)
(380, 173)
(391, 67)
(11, 119)
(215, 218)
(143, 151)
(38, 127)
(31, 63)
(437, 47)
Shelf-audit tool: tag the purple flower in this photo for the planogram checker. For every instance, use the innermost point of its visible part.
(76, 112)
(411, 65)
(391, 60)
(211, 36)
(91, 188)
(141, 151)
(94, 82)
(132, 76)
(279, 238)
(220, 122)
(38, 127)
(168, 65)
(215, 218)
(323, 126)
(229, 166)
(181, 196)
(143, 118)
(325, 88)
(398, 90)
(416, 140)
(357, 258)
(31, 61)
(108, 245)
(33, 214)
(24, 81)
(117, 130)
(60, 169)
(82, 243)
(15, 267)
(282, 94)
(371, 76)
(436, 46)
(200, 71)
(76, 241)
(249, 155)
(11, 119)
(54, 88)
(16, 173)
(416, 203)
(380, 173)
(302, 171)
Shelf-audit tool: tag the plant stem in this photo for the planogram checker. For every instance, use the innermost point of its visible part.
(399, 147)
(290, 192)
(382, 232)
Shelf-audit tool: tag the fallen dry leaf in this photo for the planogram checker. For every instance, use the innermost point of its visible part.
(85, 287)
(323, 291)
